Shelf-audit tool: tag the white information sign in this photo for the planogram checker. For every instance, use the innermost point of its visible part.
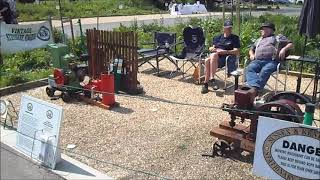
(24, 37)
(41, 121)
(286, 150)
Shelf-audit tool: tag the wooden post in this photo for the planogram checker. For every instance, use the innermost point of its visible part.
(51, 27)
(223, 11)
(251, 3)
(232, 10)
(61, 18)
(71, 28)
(97, 22)
(238, 16)
(50, 24)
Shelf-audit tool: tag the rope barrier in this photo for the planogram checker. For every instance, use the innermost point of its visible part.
(103, 161)
(164, 101)
(179, 103)
(188, 104)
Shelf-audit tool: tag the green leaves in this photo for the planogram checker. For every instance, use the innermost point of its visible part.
(77, 9)
(34, 64)
(249, 33)
(25, 66)
(26, 61)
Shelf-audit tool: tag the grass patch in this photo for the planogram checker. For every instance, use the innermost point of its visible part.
(85, 8)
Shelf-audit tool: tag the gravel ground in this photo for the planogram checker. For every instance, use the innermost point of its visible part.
(165, 131)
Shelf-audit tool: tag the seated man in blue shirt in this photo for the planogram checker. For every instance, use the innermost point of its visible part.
(223, 45)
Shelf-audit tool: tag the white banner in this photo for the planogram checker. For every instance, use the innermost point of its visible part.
(16, 38)
(286, 150)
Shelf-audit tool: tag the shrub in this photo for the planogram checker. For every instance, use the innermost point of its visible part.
(26, 61)
(12, 77)
(78, 46)
(57, 35)
(249, 33)
(26, 66)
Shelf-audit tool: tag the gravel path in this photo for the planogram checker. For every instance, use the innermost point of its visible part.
(165, 131)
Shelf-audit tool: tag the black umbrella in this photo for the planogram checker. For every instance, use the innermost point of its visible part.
(309, 25)
(309, 22)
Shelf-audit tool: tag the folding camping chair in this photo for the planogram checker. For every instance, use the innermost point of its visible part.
(235, 73)
(164, 44)
(282, 66)
(194, 44)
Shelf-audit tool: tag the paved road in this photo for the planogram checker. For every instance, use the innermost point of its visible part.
(15, 165)
(109, 23)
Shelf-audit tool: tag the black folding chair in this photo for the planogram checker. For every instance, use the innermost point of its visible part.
(164, 44)
(193, 51)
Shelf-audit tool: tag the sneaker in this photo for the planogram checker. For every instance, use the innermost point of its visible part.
(214, 84)
(205, 89)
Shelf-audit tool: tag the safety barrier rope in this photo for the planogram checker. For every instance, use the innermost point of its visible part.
(102, 161)
(168, 101)
(188, 104)
(165, 101)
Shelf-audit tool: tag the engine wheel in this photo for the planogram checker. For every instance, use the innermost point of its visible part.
(221, 147)
(282, 109)
(66, 97)
(292, 96)
(50, 91)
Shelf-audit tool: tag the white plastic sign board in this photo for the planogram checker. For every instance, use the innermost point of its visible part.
(16, 37)
(38, 127)
(286, 150)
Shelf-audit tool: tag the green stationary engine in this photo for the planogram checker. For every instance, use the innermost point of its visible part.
(67, 74)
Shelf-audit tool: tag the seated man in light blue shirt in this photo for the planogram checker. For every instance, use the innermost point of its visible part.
(265, 55)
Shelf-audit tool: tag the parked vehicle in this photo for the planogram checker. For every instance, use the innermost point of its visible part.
(280, 1)
(299, 1)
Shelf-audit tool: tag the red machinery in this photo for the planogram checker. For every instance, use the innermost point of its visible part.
(74, 78)
(235, 136)
(104, 86)
(74, 82)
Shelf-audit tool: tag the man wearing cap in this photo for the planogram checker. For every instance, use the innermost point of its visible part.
(265, 55)
(226, 44)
